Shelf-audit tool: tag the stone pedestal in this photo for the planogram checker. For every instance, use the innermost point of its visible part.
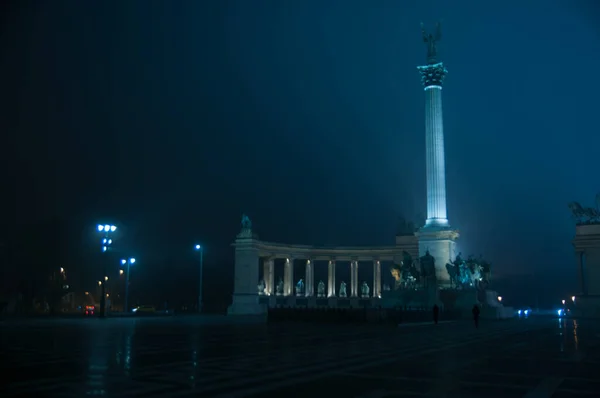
(441, 244)
(587, 250)
(245, 299)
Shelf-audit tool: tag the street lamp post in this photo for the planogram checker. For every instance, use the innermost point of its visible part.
(201, 250)
(129, 263)
(106, 241)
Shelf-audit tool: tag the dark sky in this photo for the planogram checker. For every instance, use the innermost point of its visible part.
(171, 118)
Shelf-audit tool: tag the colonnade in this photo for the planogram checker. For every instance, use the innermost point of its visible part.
(309, 278)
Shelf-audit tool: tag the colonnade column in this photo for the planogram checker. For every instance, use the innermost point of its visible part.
(310, 279)
(331, 279)
(376, 279)
(288, 277)
(269, 276)
(354, 278)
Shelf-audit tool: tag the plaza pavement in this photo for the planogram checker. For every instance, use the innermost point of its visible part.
(192, 357)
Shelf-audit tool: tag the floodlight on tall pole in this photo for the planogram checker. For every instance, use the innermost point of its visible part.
(106, 241)
(201, 250)
(129, 262)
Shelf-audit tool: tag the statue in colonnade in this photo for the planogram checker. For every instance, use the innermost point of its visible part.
(321, 289)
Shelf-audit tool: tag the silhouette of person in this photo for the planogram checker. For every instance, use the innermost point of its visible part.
(436, 313)
(476, 315)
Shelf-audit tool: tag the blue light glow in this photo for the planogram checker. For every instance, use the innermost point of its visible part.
(431, 87)
(132, 260)
(107, 228)
(559, 312)
(110, 241)
(198, 247)
(113, 228)
(100, 228)
(519, 312)
(104, 248)
(123, 261)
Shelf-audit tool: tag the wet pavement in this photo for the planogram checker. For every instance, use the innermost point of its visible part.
(206, 357)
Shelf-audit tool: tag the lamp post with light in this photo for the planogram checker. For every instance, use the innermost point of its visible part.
(201, 250)
(106, 230)
(129, 263)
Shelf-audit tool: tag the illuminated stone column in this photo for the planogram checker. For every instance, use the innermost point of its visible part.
(309, 286)
(331, 279)
(269, 276)
(376, 279)
(288, 277)
(432, 77)
(353, 278)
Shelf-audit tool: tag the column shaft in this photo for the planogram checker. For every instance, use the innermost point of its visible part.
(310, 279)
(269, 276)
(331, 279)
(435, 158)
(288, 277)
(354, 278)
(376, 279)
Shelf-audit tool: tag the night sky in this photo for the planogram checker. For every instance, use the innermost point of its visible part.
(172, 118)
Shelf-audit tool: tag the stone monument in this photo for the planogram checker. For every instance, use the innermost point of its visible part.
(436, 236)
(245, 298)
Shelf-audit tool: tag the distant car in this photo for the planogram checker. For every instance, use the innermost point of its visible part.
(144, 309)
(524, 311)
(90, 309)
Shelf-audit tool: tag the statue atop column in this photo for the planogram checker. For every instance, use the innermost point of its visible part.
(431, 41)
(343, 289)
(300, 288)
(279, 288)
(246, 227)
(365, 290)
(321, 289)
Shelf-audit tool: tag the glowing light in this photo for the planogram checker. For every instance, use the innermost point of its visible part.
(526, 312)
(198, 247)
(100, 228)
(432, 87)
(132, 260)
(120, 272)
(559, 312)
(99, 283)
(499, 298)
(110, 241)
(87, 293)
(104, 240)
(107, 228)
(104, 248)
(563, 302)
(106, 278)
(519, 312)
(62, 270)
(573, 298)
(123, 261)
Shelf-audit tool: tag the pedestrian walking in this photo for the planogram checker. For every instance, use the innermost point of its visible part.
(476, 315)
(436, 314)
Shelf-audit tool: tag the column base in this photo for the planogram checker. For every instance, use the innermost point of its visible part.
(441, 244)
(246, 304)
